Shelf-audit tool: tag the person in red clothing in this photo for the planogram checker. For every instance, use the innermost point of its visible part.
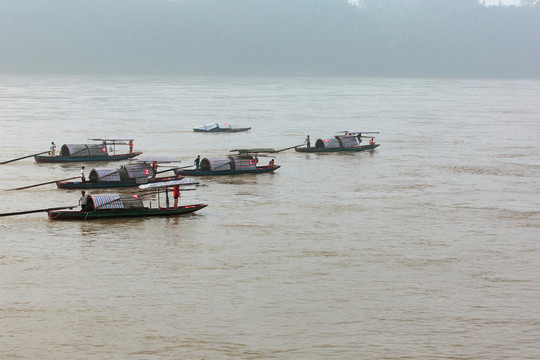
(176, 195)
(130, 146)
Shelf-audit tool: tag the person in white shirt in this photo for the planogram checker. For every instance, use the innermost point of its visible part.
(82, 201)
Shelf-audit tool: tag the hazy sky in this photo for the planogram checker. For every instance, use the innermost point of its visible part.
(505, 2)
(488, 2)
(238, 37)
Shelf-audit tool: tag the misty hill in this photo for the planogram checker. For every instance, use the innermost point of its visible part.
(270, 37)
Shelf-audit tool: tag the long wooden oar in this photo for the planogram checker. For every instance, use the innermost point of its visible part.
(23, 157)
(163, 171)
(45, 183)
(175, 168)
(288, 148)
(37, 210)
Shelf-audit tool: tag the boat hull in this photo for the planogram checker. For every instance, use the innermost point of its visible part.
(68, 159)
(123, 213)
(106, 185)
(258, 170)
(333, 150)
(218, 130)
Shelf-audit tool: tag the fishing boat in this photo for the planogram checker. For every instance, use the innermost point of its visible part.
(230, 165)
(129, 175)
(103, 151)
(107, 206)
(348, 142)
(117, 178)
(219, 128)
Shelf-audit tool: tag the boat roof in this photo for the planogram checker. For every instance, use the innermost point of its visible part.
(358, 132)
(110, 139)
(156, 158)
(256, 151)
(116, 201)
(85, 150)
(214, 126)
(162, 184)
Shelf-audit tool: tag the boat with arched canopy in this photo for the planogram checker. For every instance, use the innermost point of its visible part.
(350, 141)
(230, 165)
(103, 151)
(107, 206)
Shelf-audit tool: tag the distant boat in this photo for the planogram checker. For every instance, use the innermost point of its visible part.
(349, 142)
(231, 165)
(89, 152)
(215, 128)
(106, 206)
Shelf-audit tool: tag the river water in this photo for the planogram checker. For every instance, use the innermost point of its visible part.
(426, 248)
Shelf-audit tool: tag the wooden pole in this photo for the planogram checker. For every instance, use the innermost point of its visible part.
(175, 168)
(292, 147)
(45, 183)
(23, 157)
(37, 210)
(163, 171)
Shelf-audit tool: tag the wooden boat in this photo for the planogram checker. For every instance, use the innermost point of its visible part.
(349, 142)
(119, 213)
(257, 170)
(130, 175)
(120, 206)
(89, 152)
(219, 128)
(231, 165)
(329, 150)
(116, 184)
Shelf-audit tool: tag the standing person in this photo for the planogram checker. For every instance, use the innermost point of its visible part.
(176, 195)
(130, 146)
(308, 142)
(197, 162)
(53, 149)
(83, 178)
(83, 200)
(154, 170)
